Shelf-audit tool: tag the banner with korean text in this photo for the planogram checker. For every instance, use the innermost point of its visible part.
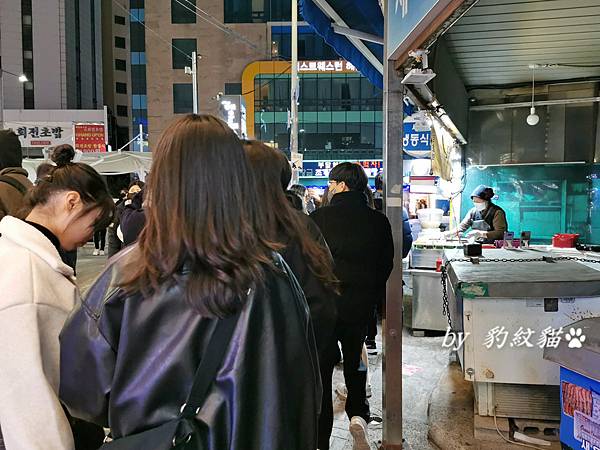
(89, 137)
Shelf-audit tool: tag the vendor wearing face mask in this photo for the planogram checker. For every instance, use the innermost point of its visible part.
(486, 220)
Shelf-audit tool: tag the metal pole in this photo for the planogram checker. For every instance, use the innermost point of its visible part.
(195, 81)
(141, 138)
(393, 192)
(1, 99)
(294, 87)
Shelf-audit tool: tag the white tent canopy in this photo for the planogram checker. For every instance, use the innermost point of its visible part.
(112, 163)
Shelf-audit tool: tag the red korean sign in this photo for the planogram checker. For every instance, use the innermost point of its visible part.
(89, 137)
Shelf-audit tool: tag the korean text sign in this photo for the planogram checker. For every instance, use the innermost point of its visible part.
(89, 137)
(415, 140)
(42, 134)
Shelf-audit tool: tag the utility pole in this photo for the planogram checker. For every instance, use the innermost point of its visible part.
(193, 71)
(195, 81)
(294, 87)
(141, 138)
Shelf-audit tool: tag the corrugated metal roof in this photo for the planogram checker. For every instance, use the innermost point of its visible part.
(497, 39)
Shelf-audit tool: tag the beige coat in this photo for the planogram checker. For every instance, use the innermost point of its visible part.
(37, 292)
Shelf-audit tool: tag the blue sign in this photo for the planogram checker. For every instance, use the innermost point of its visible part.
(415, 140)
(321, 169)
(404, 16)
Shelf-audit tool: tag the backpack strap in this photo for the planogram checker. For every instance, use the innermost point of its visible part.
(14, 183)
(210, 363)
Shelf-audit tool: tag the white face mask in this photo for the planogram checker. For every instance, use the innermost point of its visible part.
(481, 206)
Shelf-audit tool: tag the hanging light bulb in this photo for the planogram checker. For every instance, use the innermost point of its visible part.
(533, 119)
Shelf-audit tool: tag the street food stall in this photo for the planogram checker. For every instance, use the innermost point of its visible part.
(508, 306)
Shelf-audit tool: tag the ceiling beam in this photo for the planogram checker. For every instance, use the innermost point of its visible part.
(360, 45)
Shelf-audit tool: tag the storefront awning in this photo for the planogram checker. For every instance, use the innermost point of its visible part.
(354, 28)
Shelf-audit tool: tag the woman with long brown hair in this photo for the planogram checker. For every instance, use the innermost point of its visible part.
(306, 253)
(149, 324)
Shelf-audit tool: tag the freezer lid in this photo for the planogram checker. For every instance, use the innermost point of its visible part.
(521, 279)
(584, 360)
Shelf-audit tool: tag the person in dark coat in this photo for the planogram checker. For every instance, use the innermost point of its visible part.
(133, 219)
(306, 252)
(14, 183)
(137, 338)
(115, 244)
(360, 240)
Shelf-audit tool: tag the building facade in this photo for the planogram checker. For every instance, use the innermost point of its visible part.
(117, 69)
(340, 111)
(57, 44)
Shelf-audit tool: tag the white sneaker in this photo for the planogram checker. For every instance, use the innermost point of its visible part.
(341, 391)
(96, 252)
(101, 252)
(358, 429)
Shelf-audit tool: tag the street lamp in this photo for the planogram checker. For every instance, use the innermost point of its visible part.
(22, 79)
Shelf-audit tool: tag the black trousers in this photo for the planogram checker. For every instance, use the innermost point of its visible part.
(352, 338)
(372, 325)
(100, 239)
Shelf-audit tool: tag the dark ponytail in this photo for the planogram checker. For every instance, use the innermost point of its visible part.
(69, 176)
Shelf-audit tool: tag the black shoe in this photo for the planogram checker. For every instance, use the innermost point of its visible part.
(371, 345)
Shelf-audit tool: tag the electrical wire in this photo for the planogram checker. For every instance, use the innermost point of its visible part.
(287, 69)
(136, 19)
(508, 440)
(203, 15)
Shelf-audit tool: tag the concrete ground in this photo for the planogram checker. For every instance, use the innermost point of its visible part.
(437, 402)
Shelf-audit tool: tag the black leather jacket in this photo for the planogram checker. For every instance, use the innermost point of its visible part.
(127, 363)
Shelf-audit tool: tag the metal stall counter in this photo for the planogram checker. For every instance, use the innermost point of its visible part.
(508, 306)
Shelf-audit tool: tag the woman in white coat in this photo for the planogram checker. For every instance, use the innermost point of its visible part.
(37, 292)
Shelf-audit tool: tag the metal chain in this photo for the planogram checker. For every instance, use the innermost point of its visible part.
(444, 270)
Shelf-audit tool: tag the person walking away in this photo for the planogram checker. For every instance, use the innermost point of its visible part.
(306, 252)
(360, 240)
(14, 183)
(39, 291)
(202, 263)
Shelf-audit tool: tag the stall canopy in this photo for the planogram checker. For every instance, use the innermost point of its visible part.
(354, 28)
(113, 163)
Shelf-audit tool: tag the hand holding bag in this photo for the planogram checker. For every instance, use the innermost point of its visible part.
(185, 432)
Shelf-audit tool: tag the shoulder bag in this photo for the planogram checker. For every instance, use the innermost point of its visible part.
(185, 432)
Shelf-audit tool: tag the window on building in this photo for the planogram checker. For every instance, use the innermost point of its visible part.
(182, 98)
(119, 20)
(137, 15)
(311, 46)
(340, 114)
(233, 88)
(138, 58)
(137, 37)
(139, 102)
(257, 11)
(120, 42)
(122, 111)
(182, 52)
(120, 64)
(183, 11)
(136, 4)
(121, 88)
(138, 79)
